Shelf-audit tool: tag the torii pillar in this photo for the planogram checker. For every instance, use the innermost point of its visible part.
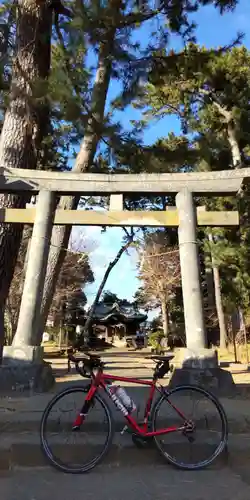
(23, 366)
(194, 364)
(190, 271)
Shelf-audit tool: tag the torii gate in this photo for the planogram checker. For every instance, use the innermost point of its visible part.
(184, 185)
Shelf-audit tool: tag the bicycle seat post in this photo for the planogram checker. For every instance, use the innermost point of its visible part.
(156, 370)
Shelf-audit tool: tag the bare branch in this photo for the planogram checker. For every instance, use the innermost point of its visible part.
(111, 265)
(159, 268)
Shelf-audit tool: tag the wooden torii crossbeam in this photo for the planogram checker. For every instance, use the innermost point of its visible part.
(185, 216)
(120, 218)
(204, 183)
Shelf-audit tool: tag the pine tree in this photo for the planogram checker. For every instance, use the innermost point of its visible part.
(28, 138)
(25, 122)
(109, 29)
(209, 91)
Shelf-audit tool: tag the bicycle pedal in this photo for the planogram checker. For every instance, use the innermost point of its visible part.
(125, 429)
(76, 428)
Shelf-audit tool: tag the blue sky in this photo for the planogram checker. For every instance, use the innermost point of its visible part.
(212, 30)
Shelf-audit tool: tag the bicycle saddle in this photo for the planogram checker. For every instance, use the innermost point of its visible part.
(85, 357)
(166, 357)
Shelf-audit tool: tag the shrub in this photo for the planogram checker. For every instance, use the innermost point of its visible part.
(155, 338)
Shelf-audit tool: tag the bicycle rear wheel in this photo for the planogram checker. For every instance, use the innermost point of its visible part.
(198, 441)
(75, 454)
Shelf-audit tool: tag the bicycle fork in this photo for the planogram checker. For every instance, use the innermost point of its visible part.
(85, 409)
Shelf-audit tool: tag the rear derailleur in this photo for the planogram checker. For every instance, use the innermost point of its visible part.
(189, 431)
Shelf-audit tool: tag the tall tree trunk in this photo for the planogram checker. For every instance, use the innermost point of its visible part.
(84, 160)
(25, 123)
(165, 318)
(218, 301)
(8, 317)
(231, 132)
(12, 317)
(111, 265)
(234, 145)
(244, 331)
(236, 156)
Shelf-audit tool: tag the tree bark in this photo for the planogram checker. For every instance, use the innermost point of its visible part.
(111, 265)
(165, 319)
(231, 131)
(25, 123)
(234, 145)
(244, 330)
(218, 301)
(236, 161)
(11, 324)
(84, 160)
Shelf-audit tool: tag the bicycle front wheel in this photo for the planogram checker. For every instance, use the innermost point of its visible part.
(73, 451)
(202, 427)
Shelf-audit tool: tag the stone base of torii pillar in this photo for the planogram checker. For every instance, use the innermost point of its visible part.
(23, 368)
(195, 364)
(200, 367)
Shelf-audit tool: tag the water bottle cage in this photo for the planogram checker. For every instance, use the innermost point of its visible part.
(125, 399)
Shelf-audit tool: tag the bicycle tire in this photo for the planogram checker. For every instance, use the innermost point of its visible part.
(224, 439)
(46, 448)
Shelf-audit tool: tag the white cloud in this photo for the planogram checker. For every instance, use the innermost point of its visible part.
(85, 239)
(93, 230)
(102, 248)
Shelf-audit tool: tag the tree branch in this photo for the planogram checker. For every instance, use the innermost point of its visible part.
(222, 110)
(59, 8)
(103, 282)
(74, 85)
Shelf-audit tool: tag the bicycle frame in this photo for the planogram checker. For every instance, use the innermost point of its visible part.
(101, 380)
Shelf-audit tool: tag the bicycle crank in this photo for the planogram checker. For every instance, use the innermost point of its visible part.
(141, 441)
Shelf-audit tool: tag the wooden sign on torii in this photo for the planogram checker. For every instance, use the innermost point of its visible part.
(49, 184)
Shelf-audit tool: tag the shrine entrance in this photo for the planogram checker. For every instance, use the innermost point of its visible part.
(186, 216)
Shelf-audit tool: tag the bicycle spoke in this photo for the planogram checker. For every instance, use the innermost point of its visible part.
(199, 443)
(75, 451)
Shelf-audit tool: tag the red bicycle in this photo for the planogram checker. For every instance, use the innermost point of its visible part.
(181, 435)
